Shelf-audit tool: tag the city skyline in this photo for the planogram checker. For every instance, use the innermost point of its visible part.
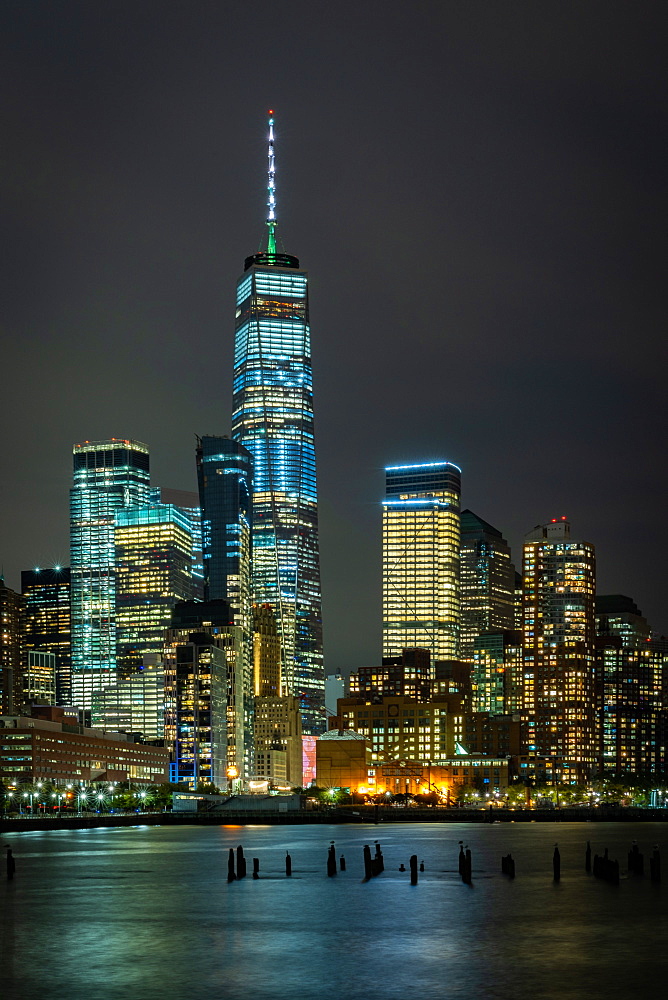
(482, 236)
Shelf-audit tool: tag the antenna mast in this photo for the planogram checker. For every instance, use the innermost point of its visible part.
(271, 189)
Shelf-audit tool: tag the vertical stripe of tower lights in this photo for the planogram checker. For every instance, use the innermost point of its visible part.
(273, 419)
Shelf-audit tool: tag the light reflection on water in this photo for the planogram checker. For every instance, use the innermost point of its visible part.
(147, 912)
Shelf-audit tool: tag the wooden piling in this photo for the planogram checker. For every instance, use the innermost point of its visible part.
(468, 867)
(368, 871)
(462, 858)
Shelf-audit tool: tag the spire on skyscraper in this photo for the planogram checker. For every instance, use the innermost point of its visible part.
(271, 188)
(271, 257)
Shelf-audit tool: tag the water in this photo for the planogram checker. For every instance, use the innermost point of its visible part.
(147, 913)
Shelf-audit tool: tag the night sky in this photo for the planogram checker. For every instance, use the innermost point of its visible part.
(478, 193)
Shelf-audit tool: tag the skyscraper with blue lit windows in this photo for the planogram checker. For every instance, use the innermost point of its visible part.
(273, 420)
(108, 476)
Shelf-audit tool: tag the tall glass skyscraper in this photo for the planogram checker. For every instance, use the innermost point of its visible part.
(273, 419)
(487, 582)
(154, 553)
(225, 480)
(421, 533)
(108, 475)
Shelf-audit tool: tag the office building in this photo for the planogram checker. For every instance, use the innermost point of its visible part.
(273, 420)
(47, 622)
(492, 735)
(398, 728)
(188, 504)
(225, 479)
(108, 476)
(39, 679)
(345, 762)
(278, 728)
(497, 667)
(560, 708)
(617, 615)
(410, 674)
(51, 746)
(635, 711)
(153, 572)
(486, 584)
(11, 673)
(135, 703)
(266, 653)
(421, 541)
(225, 482)
(208, 723)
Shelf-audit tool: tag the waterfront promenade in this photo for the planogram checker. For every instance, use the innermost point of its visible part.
(336, 815)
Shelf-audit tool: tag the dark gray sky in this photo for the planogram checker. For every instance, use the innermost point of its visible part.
(478, 193)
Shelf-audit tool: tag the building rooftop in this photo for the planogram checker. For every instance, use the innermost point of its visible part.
(342, 734)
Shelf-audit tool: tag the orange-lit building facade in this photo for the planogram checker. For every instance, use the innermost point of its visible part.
(559, 696)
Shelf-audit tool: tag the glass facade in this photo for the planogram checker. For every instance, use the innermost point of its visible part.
(188, 504)
(421, 537)
(273, 420)
(206, 713)
(225, 479)
(153, 553)
(108, 476)
(40, 678)
(46, 623)
(487, 582)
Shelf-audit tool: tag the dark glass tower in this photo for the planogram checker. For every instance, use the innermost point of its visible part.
(225, 480)
(487, 582)
(273, 419)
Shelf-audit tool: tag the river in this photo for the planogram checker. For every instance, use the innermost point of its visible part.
(146, 913)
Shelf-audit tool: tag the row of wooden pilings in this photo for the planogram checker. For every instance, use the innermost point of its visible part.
(601, 866)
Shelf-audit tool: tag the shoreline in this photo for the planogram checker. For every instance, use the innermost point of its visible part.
(362, 814)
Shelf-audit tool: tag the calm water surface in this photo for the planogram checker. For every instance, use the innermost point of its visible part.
(147, 913)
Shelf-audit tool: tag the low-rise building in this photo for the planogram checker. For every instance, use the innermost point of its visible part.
(342, 760)
(51, 746)
(401, 727)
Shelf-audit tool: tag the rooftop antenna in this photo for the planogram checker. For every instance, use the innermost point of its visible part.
(271, 189)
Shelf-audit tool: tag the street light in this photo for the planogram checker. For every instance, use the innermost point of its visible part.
(232, 772)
